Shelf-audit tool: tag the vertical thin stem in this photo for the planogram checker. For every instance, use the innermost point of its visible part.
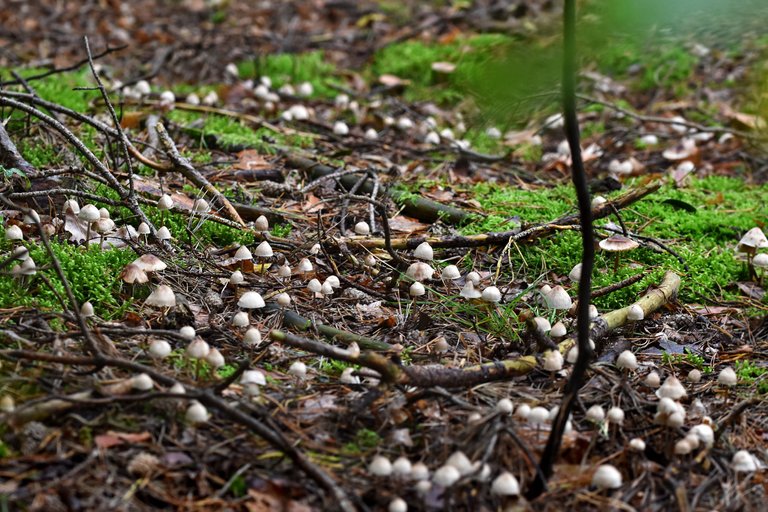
(578, 176)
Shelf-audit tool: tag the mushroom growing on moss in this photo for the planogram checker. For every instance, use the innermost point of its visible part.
(752, 240)
(618, 244)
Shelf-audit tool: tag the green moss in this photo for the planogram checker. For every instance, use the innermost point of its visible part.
(725, 209)
(58, 88)
(412, 60)
(313, 67)
(92, 274)
(232, 132)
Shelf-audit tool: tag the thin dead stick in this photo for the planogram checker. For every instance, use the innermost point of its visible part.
(185, 168)
(516, 235)
(736, 411)
(665, 120)
(73, 67)
(122, 138)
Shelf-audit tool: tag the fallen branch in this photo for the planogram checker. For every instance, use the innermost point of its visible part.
(188, 171)
(529, 234)
(393, 372)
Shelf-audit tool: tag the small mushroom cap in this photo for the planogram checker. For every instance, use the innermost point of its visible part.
(380, 466)
(424, 252)
(618, 243)
(743, 462)
(284, 270)
(637, 445)
(243, 253)
(474, 277)
(505, 485)
(340, 128)
(705, 434)
(627, 361)
(253, 377)
(491, 294)
(607, 477)
(132, 274)
(362, 228)
(538, 416)
(72, 206)
(163, 233)
(252, 336)
(188, 332)
(558, 298)
(420, 271)
(615, 415)
(575, 273)
(159, 349)
(553, 361)
(215, 358)
(149, 263)
(469, 291)
(333, 281)
(251, 300)
(760, 260)
(450, 272)
(283, 299)
(264, 250)
(86, 309)
(460, 461)
(162, 297)
(683, 447)
(596, 413)
(635, 313)
(446, 476)
(240, 319)
(315, 286)
(558, 330)
(14, 233)
(417, 289)
(298, 369)
(201, 206)
(143, 229)
(198, 349)
(752, 240)
(672, 388)
(197, 413)
(261, 223)
(727, 377)
(305, 266)
(236, 278)
(165, 202)
(142, 382)
(652, 380)
(89, 213)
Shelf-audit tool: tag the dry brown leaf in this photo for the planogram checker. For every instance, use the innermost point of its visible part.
(250, 160)
(112, 438)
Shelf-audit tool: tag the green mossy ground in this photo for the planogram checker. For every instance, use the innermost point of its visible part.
(725, 209)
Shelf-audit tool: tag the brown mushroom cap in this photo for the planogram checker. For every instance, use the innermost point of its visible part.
(618, 243)
(149, 263)
(133, 274)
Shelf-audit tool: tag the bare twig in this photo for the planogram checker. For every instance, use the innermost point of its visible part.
(189, 172)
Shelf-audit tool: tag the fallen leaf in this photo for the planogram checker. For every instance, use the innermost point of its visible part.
(250, 159)
(408, 225)
(112, 438)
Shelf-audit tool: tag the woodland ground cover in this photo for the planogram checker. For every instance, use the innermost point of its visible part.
(285, 125)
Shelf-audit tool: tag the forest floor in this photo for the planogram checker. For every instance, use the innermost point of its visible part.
(328, 167)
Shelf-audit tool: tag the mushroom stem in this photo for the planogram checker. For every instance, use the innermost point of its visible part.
(616, 262)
